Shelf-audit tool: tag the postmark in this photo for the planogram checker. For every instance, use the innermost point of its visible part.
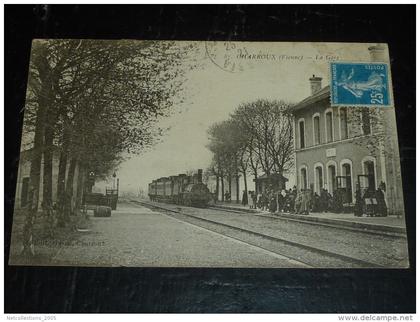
(360, 84)
(223, 55)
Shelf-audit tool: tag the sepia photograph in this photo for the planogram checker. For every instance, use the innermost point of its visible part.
(141, 153)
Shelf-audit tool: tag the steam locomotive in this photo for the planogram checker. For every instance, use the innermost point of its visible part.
(181, 189)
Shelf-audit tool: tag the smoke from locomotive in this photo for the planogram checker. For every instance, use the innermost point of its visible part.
(181, 189)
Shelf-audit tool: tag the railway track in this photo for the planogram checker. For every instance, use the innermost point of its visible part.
(308, 255)
(316, 223)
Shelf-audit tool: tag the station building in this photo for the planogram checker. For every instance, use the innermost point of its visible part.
(341, 147)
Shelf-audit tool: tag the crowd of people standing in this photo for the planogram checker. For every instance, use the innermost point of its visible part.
(291, 200)
(305, 201)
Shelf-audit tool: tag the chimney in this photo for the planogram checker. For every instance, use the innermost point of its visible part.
(377, 53)
(315, 84)
(200, 176)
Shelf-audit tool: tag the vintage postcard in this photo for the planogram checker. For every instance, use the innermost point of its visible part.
(209, 154)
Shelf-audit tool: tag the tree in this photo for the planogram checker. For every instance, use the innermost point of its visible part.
(130, 89)
(257, 137)
(228, 146)
(94, 102)
(239, 143)
(269, 127)
(224, 152)
(43, 91)
(254, 163)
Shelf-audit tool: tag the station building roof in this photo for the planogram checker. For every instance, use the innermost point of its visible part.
(316, 97)
(272, 176)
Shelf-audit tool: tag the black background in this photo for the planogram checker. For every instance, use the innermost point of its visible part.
(54, 289)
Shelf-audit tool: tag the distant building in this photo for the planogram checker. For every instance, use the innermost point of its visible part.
(275, 182)
(335, 146)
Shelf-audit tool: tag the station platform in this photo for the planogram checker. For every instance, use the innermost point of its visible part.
(235, 206)
(391, 224)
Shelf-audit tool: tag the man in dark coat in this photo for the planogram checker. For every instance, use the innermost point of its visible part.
(280, 200)
(272, 202)
(244, 198)
(382, 209)
(358, 207)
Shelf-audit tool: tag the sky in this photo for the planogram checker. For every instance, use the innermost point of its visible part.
(212, 92)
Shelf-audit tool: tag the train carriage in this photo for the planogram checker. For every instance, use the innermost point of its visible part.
(180, 189)
(152, 190)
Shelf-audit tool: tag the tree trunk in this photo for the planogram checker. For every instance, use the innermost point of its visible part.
(237, 188)
(61, 185)
(62, 168)
(223, 186)
(256, 182)
(230, 186)
(68, 200)
(217, 188)
(34, 186)
(80, 186)
(245, 182)
(48, 165)
(35, 174)
(61, 181)
(35, 171)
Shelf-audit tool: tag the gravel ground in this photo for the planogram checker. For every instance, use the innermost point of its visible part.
(312, 258)
(383, 250)
(136, 236)
(46, 242)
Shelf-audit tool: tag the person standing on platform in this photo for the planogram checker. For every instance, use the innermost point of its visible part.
(254, 199)
(382, 208)
(250, 200)
(358, 206)
(273, 202)
(244, 198)
(280, 200)
(306, 199)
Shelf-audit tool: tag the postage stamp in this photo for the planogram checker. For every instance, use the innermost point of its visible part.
(360, 84)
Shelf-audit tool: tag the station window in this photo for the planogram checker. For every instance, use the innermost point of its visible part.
(343, 124)
(369, 171)
(319, 179)
(303, 178)
(329, 126)
(302, 133)
(317, 130)
(331, 178)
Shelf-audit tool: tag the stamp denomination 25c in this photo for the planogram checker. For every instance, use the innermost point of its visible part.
(360, 84)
